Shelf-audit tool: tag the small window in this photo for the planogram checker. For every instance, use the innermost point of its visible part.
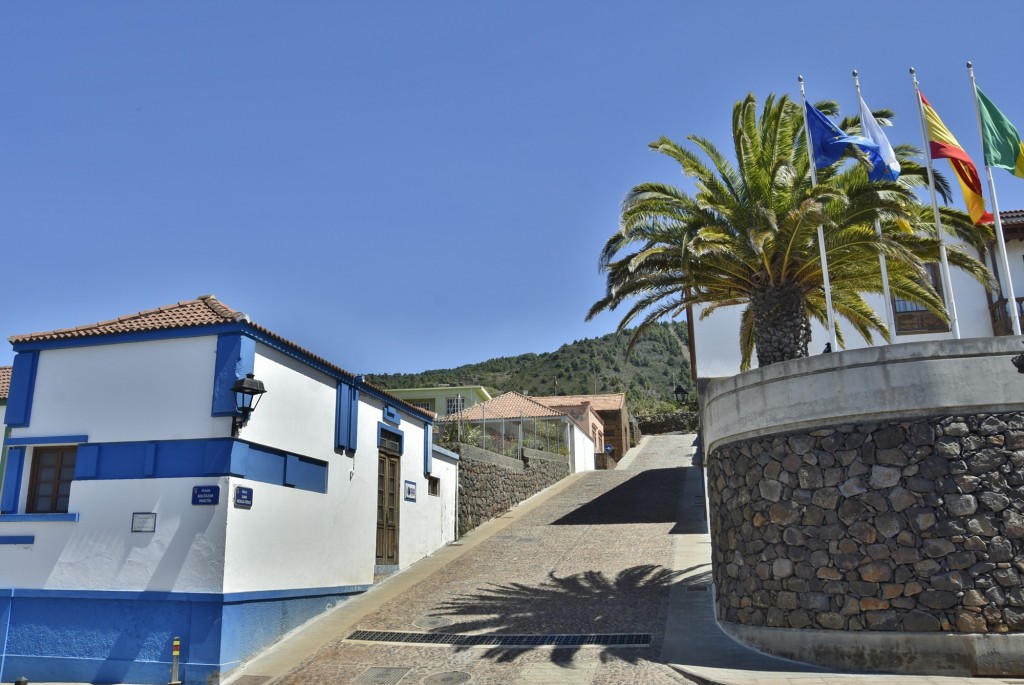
(53, 469)
(453, 405)
(915, 318)
(423, 404)
(389, 441)
(433, 486)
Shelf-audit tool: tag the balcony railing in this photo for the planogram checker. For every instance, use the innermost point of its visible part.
(1000, 313)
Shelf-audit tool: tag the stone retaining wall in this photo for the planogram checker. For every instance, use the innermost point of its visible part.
(658, 424)
(914, 526)
(490, 486)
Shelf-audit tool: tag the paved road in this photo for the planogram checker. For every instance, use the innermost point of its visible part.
(594, 557)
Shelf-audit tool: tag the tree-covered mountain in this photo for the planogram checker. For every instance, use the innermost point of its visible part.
(657, 364)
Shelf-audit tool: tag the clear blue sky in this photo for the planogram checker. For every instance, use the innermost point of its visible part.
(418, 184)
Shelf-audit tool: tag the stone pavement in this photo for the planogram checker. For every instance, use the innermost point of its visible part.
(606, 552)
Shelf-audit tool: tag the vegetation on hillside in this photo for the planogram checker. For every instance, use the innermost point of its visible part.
(658, 362)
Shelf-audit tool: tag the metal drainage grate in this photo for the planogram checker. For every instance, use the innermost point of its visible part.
(603, 640)
(381, 675)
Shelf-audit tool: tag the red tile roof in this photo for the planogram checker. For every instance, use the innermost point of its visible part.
(205, 310)
(608, 402)
(5, 382)
(511, 405)
(1012, 218)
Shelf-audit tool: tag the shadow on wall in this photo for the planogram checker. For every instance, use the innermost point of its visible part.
(627, 602)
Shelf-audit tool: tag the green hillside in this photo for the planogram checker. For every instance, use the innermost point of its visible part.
(658, 362)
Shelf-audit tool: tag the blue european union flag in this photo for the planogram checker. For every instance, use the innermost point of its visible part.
(829, 142)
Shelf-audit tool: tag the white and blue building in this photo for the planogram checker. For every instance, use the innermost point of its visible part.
(135, 509)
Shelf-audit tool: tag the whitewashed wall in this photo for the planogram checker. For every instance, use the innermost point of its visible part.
(717, 338)
(428, 523)
(582, 450)
(99, 552)
(152, 390)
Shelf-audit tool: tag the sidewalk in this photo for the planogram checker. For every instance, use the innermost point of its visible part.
(622, 552)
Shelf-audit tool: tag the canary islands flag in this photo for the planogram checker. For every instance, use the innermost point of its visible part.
(884, 166)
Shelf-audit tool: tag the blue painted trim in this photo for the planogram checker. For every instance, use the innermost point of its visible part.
(409, 409)
(428, 453)
(12, 480)
(38, 518)
(236, 357)
(210, 597)
(23, 385)
(391, 415)
(346, 417)
(381, 426)
(212, 457)
(48, 440)
(446, 453)
(17, 539)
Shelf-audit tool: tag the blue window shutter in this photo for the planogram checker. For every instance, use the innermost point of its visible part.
(23, 384)
(428, 448)
(12, 480)
(353, 419)
(236, 356)
(346, 421)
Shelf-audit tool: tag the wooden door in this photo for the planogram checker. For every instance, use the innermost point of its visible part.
(388, 481)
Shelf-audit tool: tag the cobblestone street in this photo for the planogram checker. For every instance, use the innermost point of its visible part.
(594, 559)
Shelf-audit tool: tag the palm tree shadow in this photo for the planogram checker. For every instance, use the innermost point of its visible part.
(630, 602)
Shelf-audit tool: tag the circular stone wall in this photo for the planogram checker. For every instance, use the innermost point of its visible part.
(882, 545)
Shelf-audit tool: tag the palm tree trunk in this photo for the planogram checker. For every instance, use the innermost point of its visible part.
(781, 328)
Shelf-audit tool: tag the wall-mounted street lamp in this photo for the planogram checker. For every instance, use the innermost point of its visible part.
(681, 394)
(247, 391)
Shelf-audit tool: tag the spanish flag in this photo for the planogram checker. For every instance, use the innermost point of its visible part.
(944, 146)
(1003, 148)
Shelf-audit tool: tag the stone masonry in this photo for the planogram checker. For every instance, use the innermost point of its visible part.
(913, 526)
(491, 484)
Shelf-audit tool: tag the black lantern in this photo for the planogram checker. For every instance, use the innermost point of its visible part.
(247, 395)
(680, 394)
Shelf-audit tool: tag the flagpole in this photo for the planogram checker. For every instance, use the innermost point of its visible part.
(951, 306)
(1000, 240)
(889, 317)
(821, 230)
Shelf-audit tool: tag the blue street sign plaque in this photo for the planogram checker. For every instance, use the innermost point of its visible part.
(608, 449)
(243, 497)
(206, 494)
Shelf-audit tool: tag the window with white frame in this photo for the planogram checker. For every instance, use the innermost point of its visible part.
(453, 405)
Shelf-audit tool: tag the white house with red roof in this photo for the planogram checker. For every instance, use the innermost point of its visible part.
(512, 421)
(139, 503)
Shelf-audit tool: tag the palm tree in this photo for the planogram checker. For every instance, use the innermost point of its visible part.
(748, 237)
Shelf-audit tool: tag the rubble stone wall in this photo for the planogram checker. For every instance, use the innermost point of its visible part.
(491, 486)
(897, 526)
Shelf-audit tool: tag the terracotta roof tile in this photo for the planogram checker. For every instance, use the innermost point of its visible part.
(205, 310)
(607, 402)
(511, 405)
(5, 382)
(1012, 218)
(202, 311)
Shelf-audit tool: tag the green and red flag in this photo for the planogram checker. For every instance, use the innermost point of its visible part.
(1003, 148)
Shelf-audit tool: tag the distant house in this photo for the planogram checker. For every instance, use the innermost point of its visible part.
(610, 407)
(512, 421)
(139, 503)
(444, 399)
(980, 313)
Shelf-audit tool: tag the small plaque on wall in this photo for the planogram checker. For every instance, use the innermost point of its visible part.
(206, 494)
(410, 491)
(144, 522)
(243, 497)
